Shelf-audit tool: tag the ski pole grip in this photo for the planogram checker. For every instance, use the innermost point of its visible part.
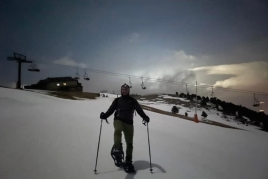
(144, 122)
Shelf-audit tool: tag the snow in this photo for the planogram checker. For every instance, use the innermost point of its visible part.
(213, 115)
(110, 95)
(170, 97)
(44, 137)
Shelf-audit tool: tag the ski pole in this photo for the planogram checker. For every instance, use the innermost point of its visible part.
(149, 149)
(98, 149)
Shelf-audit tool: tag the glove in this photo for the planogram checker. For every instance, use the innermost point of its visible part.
(146, 120)
(102, 115)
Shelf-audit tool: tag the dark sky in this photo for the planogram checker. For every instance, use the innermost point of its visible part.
(222, 43)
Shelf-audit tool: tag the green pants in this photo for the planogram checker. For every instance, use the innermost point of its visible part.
(128, 130)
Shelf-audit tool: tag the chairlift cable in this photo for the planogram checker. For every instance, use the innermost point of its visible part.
(161, 80)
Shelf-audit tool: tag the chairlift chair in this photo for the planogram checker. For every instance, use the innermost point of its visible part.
(33, 68)
(256, 103)
(86, 76)
(142, 84)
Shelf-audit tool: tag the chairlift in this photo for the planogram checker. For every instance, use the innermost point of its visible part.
(256, 103)
(33, 68)
(77, 76)
(142, 84)
(86, 76)
(130, 84)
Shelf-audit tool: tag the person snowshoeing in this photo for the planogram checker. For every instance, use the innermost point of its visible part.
(123, 122)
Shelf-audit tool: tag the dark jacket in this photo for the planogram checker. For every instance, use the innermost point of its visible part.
(125, 107)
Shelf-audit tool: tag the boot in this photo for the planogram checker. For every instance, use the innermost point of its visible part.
(128, 166)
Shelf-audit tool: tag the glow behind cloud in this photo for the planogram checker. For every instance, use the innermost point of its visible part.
(244, 74)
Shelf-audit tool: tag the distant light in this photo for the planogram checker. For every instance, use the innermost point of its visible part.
(64, 84)
(262, 102)
(58, 84)
(261, 110)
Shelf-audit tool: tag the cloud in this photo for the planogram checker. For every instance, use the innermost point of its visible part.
(170, 62)
(252, 75)
(185, 76)
(181, 55)
(134, 37)
(171, 66)
(174, 66)
(69, 62)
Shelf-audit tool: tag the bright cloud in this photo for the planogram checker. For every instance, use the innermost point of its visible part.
(172, 66)
(243, 75)
(181, 55)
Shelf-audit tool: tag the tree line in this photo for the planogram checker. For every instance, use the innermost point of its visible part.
(257, 118)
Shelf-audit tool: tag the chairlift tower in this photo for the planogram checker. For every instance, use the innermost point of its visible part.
(187, 92)
(212, 93)
(20, 59)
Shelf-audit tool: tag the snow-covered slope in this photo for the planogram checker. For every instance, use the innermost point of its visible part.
(50, 138)
(213, 115)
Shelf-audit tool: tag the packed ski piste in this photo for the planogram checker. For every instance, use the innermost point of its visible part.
(43, 136)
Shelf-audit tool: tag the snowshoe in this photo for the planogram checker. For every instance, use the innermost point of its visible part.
(129, 167)
(118, 156)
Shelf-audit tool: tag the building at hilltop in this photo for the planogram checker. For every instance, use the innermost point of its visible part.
(57, 84)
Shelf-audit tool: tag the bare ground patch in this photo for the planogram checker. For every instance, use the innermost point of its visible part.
(74, 95)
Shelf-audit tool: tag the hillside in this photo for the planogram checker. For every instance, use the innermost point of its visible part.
(158, 103)
(44, 137)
